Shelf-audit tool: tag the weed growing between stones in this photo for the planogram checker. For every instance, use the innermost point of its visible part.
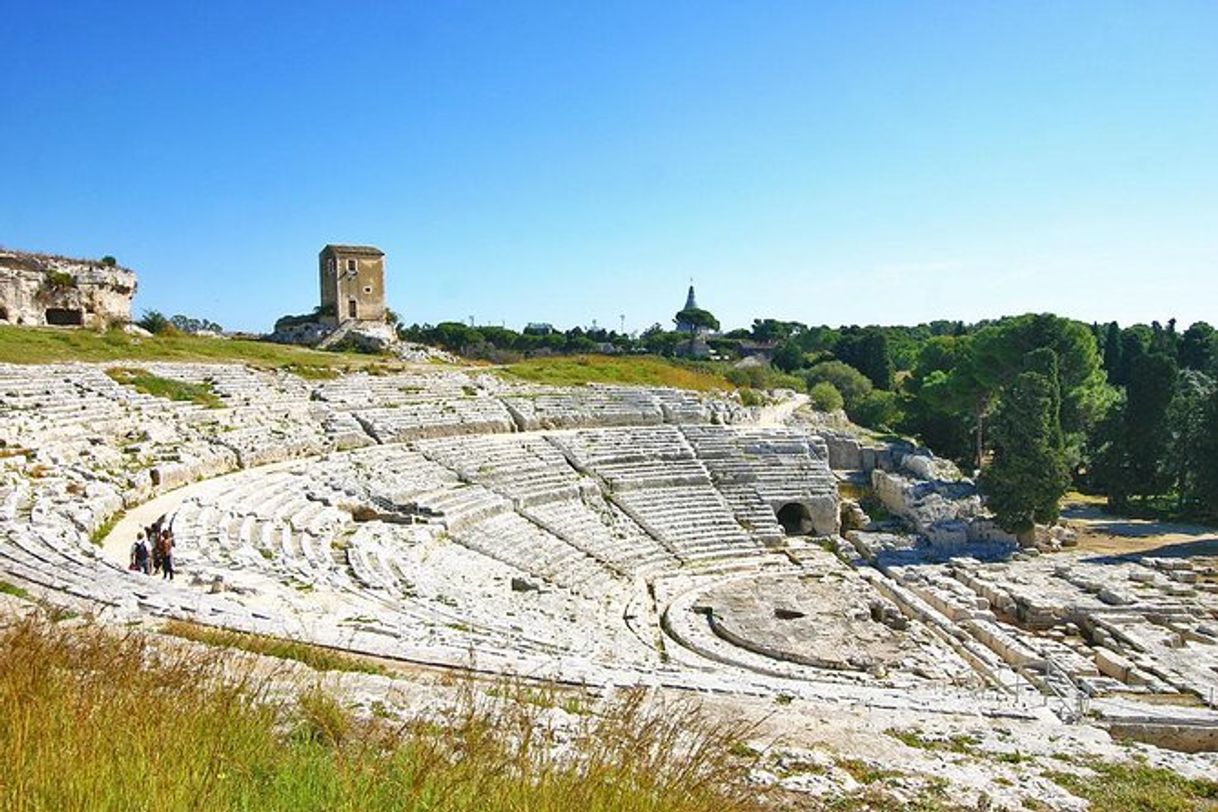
(1134, 786)
(143, 381)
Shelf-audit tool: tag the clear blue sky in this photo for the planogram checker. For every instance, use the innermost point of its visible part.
(853, 162)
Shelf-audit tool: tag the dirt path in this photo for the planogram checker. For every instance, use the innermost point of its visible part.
(1101, 532)
(777, 414)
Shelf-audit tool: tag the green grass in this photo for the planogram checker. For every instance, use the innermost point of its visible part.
(953, 744)
(638, 370)
(42, 345)
(89, 720)
(315, 657)
(864, 772)
(17, 592)
(144, 381)
(1126, 787)
(102, 530)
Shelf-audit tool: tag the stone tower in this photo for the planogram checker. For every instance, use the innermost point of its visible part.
(352, 283)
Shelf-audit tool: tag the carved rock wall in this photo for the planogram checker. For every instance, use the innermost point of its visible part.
(38, 289)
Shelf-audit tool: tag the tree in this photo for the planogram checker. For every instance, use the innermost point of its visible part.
(1151, 388)
(866, 349)
(933, 412)
(454, 336)
(1186, 422)
(1028, 475)
(825, 397)
(788, 357)
(877, 409)
(1198, 348)
(852, 384)
(997, 354)
(1205, 470)
(154, 321)
(1135, 342)
(698, 318)
(191, 325)
(767, 330)
(657, 341)
(109, 261)
(1112, 351)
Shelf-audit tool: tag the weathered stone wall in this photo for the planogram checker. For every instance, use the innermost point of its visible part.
(38, 289)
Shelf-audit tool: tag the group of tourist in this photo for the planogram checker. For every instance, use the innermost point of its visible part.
(153, 550)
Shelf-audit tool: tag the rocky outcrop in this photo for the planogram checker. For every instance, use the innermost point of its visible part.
(938, 503)
(40, 289)
(363, 336)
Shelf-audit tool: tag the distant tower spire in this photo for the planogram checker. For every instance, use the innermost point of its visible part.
(690, 302)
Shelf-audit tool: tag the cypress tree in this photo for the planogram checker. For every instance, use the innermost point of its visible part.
(1197, 348)
(1028, 475)
(1112, 353)
(1205, 466)
(1151, 387)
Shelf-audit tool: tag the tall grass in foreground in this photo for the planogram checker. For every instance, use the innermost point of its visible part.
(89, 720)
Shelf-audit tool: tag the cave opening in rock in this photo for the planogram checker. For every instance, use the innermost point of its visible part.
(795, 519)
(65, 317)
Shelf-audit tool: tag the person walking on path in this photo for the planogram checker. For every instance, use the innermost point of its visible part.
(154, 541)
(166, 547)
(139, 554)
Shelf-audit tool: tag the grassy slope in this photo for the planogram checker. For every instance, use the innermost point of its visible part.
(29, 345)
(26, 345)
(639, 370)
(92, 721)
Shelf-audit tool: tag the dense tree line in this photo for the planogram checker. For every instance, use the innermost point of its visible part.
(156, 322)
(502, 344)
(1040, 403)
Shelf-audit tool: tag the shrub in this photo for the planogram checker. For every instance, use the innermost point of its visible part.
(751, 397)
(788, 357)
(848, 381)
(154, 321)
(825, 397)
(761, 377)
(109, 261)
(876, 410)
(60, 279)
